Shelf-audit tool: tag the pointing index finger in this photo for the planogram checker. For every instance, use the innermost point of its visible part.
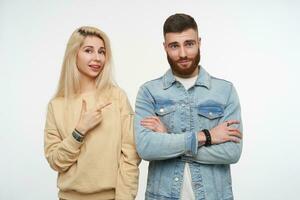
(100, 107)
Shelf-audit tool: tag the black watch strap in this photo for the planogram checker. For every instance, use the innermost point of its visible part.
(208, 137)
(77, 136)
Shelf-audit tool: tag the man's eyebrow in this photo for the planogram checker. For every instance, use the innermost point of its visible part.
(188, 41)
(172, 43)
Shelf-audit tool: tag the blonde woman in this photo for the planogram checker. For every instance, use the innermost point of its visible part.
(88, 131)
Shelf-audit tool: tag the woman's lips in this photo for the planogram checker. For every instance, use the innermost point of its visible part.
(95, 67)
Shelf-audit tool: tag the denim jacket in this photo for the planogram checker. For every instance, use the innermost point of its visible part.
(208, 103)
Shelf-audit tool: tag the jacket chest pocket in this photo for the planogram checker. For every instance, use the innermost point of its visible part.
(209, 114)
(166, 114)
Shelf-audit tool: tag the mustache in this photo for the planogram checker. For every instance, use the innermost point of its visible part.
(183, 59)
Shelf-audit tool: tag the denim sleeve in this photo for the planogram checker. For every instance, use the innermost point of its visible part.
(229, 152)
(159, 146)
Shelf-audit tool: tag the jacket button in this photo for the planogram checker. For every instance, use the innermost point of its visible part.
(176, 179)
(161, 110)
(210, 113)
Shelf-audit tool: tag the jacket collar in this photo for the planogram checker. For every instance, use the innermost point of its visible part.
(203, 79)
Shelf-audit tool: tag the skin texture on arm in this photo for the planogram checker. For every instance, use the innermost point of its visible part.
(128, 173)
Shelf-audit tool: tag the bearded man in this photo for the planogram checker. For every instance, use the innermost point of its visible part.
(187, 123)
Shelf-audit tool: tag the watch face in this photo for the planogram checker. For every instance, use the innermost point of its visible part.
(77, 137)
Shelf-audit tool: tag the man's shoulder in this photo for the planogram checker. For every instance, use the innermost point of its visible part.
(219, 82)
(154, 83)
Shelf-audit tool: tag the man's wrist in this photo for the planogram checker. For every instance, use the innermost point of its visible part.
(208, 137)
(201, 138)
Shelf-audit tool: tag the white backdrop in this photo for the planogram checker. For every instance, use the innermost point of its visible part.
(254, 44)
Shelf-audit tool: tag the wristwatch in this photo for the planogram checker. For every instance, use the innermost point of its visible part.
(77, 136)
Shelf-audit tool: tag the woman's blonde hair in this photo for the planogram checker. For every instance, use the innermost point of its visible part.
(68, 85)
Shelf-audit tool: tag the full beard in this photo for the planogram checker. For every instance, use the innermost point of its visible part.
(184, 72)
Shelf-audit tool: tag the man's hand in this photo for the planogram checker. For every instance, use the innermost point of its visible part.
(153, 123)
(222, 133)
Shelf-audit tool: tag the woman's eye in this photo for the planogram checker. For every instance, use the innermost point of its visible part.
(88, 50)
(102, 52)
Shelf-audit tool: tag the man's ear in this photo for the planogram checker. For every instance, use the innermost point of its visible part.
(165, 46)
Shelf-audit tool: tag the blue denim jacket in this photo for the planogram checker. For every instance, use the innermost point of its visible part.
(185, 112)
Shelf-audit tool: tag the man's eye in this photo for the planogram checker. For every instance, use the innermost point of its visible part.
(190, 44)
(173, 46)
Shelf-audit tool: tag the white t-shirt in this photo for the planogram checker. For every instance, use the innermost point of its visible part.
(187, 189)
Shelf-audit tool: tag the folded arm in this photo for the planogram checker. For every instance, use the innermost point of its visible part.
(228, 151)
(154, 146)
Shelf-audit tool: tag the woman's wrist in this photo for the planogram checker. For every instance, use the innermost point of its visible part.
(77, 135)
(82, 131)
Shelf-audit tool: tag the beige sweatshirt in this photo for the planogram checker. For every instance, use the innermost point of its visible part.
(105, 164)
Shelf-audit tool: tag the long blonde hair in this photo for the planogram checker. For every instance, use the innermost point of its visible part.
(68, 85)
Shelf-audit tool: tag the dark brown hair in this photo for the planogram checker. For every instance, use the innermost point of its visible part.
(179, 22)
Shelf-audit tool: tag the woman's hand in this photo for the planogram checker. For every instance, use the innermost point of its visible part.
(89, 119)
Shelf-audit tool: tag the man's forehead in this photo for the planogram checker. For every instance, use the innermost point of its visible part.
(183, 36)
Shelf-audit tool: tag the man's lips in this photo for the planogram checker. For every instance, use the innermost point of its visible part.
(183, 62)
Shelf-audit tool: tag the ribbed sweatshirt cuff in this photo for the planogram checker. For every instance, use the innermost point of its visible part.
(72, 144)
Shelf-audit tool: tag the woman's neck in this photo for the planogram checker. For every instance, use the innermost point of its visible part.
(87, 85)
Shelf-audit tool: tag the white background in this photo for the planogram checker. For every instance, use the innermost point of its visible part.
(254, 44)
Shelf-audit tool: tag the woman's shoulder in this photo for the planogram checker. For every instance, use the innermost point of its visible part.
(57, 102)
(120, 97)
(117, 92)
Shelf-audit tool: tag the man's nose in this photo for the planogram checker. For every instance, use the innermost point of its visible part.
(182, 52)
